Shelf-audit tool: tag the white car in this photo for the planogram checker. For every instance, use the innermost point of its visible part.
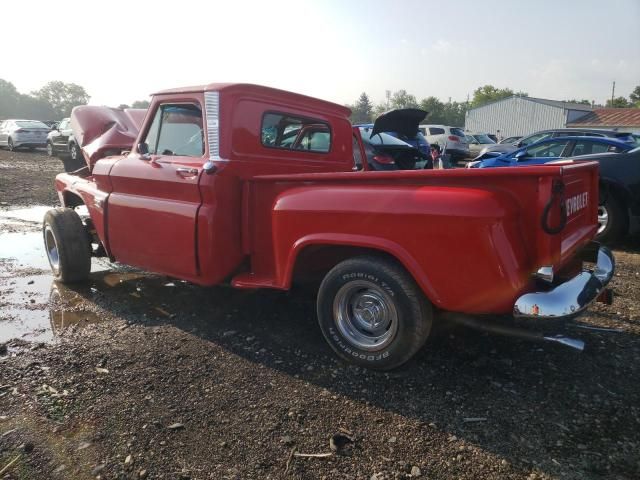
(451, 139)
(23, 134)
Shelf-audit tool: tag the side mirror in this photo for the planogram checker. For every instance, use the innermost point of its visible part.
(143, 150)
(521, 155)
(518, 144)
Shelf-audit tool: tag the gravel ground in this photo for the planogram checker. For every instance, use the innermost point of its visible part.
(148, 377)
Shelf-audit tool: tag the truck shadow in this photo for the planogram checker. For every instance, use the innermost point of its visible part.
(536, 405)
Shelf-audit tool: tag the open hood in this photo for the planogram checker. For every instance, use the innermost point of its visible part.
(403, 121)
(104, 131)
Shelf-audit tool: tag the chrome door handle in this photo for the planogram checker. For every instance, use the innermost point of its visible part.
(184, 171)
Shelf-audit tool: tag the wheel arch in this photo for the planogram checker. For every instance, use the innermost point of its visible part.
(312, 257)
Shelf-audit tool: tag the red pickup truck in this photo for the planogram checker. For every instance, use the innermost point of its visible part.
(261, 188)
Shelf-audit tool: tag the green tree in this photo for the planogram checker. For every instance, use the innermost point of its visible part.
(140, 104)
(402, 99)
(9, 98)
(579, 102)
(435, 109)
(62, 96)
(362, 111)
(635, 96)
(489, 93)
(618, 102)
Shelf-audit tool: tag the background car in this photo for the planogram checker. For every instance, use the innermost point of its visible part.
(23, 134)
(619, 202)
(60, 141)
(560, 132)
(386, 152)
(477, 141)
(550, 149)
(402, 123)
(450, 139)
(509, 140)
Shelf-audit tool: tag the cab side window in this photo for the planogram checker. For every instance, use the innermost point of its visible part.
(176, 130)
(291, 132)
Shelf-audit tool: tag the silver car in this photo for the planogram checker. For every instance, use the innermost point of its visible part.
(23, 134)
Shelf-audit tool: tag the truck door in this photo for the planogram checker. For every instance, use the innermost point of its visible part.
(151, 212)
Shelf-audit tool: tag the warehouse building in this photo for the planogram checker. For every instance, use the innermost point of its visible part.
(619, 119)
(518, 115)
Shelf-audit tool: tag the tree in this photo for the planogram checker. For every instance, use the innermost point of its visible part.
(402, 99)
(635, 96)
(362, 111)
(122, 106)
(618, 102)
(15, 104)
(9, 98)
(489, 93)
(62, 96)
(140, 104)
(579, 102)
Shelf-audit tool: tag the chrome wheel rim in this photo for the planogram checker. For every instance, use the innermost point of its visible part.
(52, 249)
(365, 315)
(603, 218)
(74, 153)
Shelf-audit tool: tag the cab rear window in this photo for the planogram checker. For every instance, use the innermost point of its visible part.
(290, 132)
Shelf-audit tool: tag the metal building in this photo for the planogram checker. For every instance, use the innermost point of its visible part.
(518, 115)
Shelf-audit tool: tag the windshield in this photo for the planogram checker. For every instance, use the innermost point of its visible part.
(380, 138)
(482, 138)
(457, 131)
(31, 124)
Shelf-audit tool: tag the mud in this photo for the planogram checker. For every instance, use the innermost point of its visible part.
(133, 375)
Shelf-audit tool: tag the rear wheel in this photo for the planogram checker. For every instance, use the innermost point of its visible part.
(67, 245)
(49, 149)
(613, 221)
(372, 313)
(10, 145)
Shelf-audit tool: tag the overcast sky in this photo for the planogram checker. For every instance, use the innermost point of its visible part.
(122, 51)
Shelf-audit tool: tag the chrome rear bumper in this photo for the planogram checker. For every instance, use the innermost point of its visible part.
(570, 297)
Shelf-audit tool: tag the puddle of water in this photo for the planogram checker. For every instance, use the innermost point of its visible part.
(24, 249)
(33, 214)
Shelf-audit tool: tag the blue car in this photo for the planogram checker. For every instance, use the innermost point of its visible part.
(552, 149)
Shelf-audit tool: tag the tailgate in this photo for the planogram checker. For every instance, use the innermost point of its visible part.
(576, 191)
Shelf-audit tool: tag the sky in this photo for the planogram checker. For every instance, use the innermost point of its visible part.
(122, 51)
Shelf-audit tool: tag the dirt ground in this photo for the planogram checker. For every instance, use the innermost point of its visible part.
(134, 375)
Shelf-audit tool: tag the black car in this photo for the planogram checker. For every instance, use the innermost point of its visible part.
(619, 206)
(61, 143)
(386, 152)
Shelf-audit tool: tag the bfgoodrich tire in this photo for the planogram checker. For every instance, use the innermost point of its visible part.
(67, 245)
(613, 221)
(372, 313)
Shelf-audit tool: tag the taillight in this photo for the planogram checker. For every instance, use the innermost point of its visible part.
(453, 138)
(384, 159)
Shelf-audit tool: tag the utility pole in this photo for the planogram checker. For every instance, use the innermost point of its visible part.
(613, 91)
(388, 94)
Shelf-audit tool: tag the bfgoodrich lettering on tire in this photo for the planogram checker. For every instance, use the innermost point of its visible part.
(67, 245)
(372, 313)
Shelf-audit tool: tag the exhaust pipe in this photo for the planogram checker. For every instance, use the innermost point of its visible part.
(510, 331)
